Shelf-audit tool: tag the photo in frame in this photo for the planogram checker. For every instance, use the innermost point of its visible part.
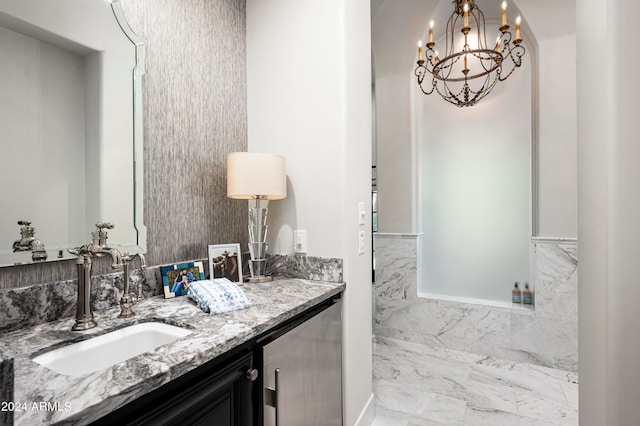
(225, 261)
(176, 278)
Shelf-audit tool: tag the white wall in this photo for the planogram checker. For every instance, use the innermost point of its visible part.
(557, 140)
(609, 208)
(395, 154)
(309, 99)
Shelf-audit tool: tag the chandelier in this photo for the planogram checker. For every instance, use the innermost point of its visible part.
(469, 69)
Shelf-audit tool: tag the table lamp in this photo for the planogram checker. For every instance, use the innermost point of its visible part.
(257, 177)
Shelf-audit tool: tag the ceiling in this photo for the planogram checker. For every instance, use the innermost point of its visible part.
(397, 25)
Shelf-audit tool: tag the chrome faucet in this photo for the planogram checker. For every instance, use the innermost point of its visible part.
(28, 242)
(98, 248)
(27, 236)
(126, 301)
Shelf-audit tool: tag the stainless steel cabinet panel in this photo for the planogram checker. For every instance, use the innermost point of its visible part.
(309, 360)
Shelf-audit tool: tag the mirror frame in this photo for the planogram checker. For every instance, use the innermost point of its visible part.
(138, 129)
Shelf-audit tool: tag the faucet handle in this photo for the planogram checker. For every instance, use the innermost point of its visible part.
(104, 225)
(100, 235)
(25, 222)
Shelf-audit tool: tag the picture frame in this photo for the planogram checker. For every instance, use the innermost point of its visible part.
(225, 261)
(176, 277)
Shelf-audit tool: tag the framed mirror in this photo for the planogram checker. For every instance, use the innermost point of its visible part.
(71, 127)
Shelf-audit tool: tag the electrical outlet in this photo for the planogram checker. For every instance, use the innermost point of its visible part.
(361, 242)
(362, 213)
(300, 241)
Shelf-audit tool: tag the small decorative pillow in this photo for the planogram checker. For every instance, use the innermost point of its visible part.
(218, 296)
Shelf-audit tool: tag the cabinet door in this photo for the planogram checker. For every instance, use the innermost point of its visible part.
(309, 364)
(214, 395)
(221, 399)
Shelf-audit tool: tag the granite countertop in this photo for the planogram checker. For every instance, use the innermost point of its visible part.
(80, 400)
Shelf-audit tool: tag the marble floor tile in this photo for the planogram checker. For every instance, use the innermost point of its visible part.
(420, 403)
(417, 384)
(476, 417)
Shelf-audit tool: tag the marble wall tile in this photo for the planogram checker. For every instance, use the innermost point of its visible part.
(396, 275)
(410, 285)
(557, 299)
(556, 281)
(466, 322)
(528, 334)
(566, 362)
(546, 335)
(555, 261)
(395, 253)
(390, 286)
(416, 315)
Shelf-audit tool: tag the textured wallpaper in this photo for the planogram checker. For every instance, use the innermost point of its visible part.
(195, 112)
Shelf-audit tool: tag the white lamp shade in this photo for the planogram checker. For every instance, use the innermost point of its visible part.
(255, 175)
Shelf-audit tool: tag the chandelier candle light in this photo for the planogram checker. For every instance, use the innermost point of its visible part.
(463, 77)
(259, 178)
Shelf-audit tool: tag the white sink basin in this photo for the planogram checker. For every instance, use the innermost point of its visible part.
(109, 349)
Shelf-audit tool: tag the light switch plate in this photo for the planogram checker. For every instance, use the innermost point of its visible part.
(361, 242)
(362, 213)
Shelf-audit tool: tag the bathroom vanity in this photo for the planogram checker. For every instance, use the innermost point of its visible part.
(214, 374)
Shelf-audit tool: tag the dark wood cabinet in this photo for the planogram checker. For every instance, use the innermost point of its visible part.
(216, 394)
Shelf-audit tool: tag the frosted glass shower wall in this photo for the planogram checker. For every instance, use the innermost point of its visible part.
(475, 192)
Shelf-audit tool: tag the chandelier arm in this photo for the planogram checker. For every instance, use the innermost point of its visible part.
(420, 72)
(515, 54)
(505, 39)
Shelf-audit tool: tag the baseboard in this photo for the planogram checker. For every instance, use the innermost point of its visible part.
(367, 414)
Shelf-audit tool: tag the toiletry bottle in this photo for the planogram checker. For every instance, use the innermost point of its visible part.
(516, 295)
(527, 298)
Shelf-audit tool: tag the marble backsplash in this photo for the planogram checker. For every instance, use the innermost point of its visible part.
(305, 267)
(40, 303)
(546, 335)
